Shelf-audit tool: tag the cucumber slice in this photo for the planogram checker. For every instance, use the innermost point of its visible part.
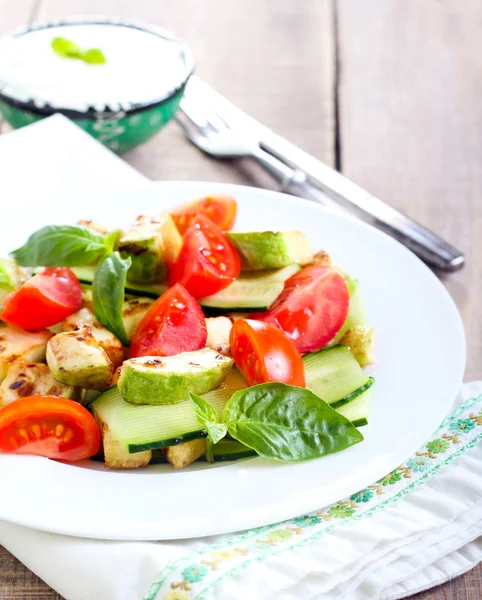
(356, 311)
(230, 450)
(334, 375)
(141, 428)
(151, 290)
(250, 291)
(144, 427)
(358, 410)
(223, 451)
(360, 422)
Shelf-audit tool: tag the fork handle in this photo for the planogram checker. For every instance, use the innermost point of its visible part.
(293, 181)
(275, 167)
(430, 247)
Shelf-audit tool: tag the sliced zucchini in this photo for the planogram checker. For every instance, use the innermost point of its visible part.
(358, 410)
(356, 311)
(225, 450)
(334, 375)
(251, 291)
(17, 343)
(152, 290)
(230, 450)
(26, 378)
(133, 312)
(260, 250)
(146, 427)
(170, 379)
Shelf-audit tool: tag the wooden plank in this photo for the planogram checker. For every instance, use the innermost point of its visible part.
(410, 128)
(271, 58)
(411, 122)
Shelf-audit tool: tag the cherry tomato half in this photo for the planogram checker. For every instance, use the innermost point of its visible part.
(312, 307)
(43, 300)
(207, 262)
(173, 324)
(48, 426)
(220, 209)
(264, 353)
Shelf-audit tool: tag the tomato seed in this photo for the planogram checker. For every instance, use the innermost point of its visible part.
(23, 433)
(69, 434)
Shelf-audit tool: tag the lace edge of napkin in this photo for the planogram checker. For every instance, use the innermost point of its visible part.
(195, 575)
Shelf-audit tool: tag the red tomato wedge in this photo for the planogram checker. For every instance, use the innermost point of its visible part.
(48, 426)
(173, 324)
(312, 307)
(207, 262)
(264, 353)
(43, 300)
(220, 209)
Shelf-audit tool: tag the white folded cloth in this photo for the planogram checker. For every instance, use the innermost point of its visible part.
(415, 528)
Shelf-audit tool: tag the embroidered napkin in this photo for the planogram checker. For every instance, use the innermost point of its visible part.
(415, 528)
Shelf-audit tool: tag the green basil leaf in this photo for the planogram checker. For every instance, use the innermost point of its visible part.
(208, 417)
(62, 246)
(287, 423)
(65, 48)
(111, 241)
(94, 56)
(68, 49)
(204, 411)
(108, 291)
(216, 431)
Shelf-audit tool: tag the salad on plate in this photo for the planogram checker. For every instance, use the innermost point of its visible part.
(180, 340)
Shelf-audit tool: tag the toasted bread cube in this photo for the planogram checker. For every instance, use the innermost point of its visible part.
(182, 455)
(115, 454)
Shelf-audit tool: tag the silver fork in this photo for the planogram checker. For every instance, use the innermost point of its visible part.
(209, 132)
(318, 181)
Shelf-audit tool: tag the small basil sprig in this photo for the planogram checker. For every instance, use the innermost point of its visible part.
(67, 49)
(108, 291)
(287, 423)
(208, 417)
(64, 246)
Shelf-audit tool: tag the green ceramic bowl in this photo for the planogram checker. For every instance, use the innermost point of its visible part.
(120, 128)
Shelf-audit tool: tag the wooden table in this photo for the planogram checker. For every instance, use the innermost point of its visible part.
(388, 91)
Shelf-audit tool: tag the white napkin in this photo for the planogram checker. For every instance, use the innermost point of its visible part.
(416, 528)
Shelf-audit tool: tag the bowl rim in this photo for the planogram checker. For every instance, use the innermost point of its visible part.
(44, 108)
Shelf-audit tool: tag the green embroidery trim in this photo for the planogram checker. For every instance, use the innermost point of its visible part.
(421, 464)
(368, 513)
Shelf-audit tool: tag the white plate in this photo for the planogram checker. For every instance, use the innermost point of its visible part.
(420, 362)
